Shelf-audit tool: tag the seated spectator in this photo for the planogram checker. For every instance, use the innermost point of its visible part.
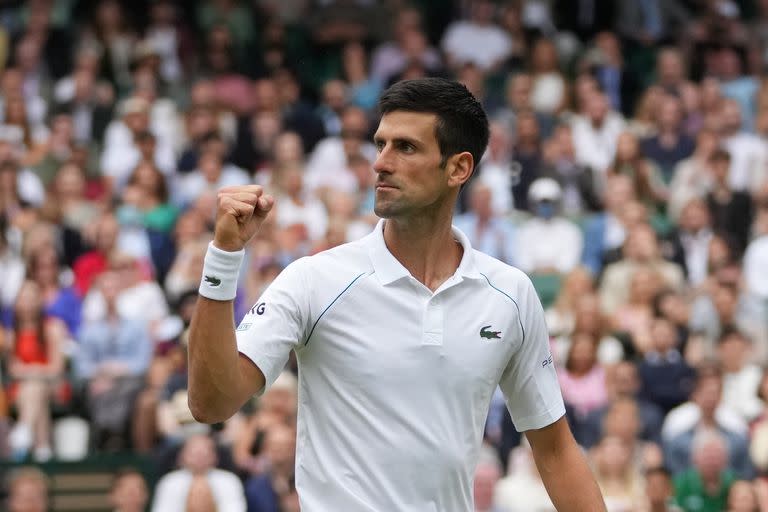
(522, 490)
(623, 382)
(583, 378)
(139, 299)
(113, 355)
(477, 40)
(635, 317)
(60, 301)
(691, 177)
(36, 367)
(210, 176)
(641, 250)
(552, 243)
(678, 448)
(671, 144)
(198, 483)
(277, 407)
(487, 475)
(659, 492)
(264, 492)
(579, 183)
(667, 380)
(103, 240)
(742, 497)
(28, 491)
(731, 209)
(11, 268)
(487, 231)
(596, 133)
(706, 484)
(561, 316)
(645, 175)
(619, 480)
(297, 208)
(129, 491)
(606, 232)
(741, 377)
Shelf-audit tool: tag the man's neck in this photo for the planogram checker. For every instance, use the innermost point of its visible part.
(424, 246)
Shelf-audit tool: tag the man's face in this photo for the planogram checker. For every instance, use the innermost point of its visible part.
(130, 493)
(410, 178)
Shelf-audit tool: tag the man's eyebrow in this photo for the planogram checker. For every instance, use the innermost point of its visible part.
(410, 140)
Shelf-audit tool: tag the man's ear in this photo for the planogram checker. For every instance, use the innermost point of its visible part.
(460, 167)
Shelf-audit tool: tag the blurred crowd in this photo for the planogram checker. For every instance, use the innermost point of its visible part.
(627, 175)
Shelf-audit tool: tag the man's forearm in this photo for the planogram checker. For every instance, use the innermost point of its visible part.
(570, 482)
(214, 375)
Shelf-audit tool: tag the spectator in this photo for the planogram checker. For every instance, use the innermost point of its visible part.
(623, 383)
(706, 485)
(741, 378)
(742, 497)
(37, 368)
(264, 492)
(477, 40)
(113, 355)
(539, 233)
(522, 490)
(691, 177)
(583, 378)
(645, 175)
(198, 484)
(667, 379)
(596, 134)
(640, 250)
(659, 491)
(487, 475)
(731, 210)
(691, 241)
(706, 413)
(670, 145)
(619, 480)
(28, 491)
(129, 491)
(61, 302)
(487, 231)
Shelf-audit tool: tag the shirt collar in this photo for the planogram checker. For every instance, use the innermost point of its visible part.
(389, 269)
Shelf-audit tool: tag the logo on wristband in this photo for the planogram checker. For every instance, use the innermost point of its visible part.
(213, 282)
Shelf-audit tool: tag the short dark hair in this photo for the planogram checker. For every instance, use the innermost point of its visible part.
(462, 124)
(720, 155)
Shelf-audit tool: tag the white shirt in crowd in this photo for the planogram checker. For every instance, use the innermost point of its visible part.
(684, 417)
(756, 267)
(173, 489)
(595, 146)
(554, 243)
(193, 185)
(740, 392)
(121, 156)
(327, 165)
(482, 45)
(311, 214)
(749, 159)
(396, 380)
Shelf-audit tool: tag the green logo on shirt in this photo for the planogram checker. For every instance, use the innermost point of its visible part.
(489, 335)
(213, 281)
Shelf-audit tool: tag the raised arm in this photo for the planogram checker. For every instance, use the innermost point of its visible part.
(220, 380)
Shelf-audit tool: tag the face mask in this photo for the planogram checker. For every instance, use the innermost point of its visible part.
(545, 210)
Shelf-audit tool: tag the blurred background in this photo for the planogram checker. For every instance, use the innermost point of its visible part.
(627, 175)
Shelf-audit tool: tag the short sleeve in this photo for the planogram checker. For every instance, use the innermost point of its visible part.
(277, 323)
(529, 381)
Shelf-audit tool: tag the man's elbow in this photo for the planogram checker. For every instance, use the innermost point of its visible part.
(206, 413)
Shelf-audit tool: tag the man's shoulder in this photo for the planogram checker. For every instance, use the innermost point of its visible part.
(337, 263)
(499, 274)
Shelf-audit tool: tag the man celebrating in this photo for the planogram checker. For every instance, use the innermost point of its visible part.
(391, 332)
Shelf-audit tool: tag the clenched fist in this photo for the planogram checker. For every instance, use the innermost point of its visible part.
(239, 213)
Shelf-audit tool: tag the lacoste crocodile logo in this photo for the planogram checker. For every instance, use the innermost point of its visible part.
(214, 282)
(489, 335)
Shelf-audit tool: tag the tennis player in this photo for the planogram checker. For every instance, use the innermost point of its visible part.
(401, 337)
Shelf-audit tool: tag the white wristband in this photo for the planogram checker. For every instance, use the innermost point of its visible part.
(220, 272)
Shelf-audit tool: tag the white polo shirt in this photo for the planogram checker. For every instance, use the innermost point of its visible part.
(395, 381)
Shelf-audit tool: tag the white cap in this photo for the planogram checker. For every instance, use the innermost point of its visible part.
(545, 189)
